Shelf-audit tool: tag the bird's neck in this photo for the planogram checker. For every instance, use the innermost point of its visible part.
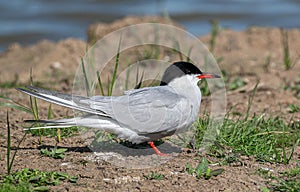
(187, 86)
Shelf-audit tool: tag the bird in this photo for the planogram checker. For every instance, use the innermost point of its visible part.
(139, 115)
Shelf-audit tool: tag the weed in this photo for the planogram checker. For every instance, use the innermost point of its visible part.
(236, 83)
(202, 170)
(267, 63)
(100, 83)
(34, 108)
(10, 161)
(250, 100)
(67, 132)
(204, 88)
(283, 181)
(56, 153)
(154, 176)
(14, 104)
(20, 187)
(86, 80)
(201, 125)
(286, 52)
(116, 68)
(35, 180)
(224, 75)
(151, 52)
(10, 84)
(288, 63)
(215, 30)
(294, 88)
(267, 138)
(111, 82)
(294, 108)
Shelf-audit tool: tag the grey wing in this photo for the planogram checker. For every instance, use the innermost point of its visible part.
(147, 110)
(66, 100)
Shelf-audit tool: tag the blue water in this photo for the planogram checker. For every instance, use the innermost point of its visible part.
(27, 21)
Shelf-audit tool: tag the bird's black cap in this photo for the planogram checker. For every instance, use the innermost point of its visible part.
(179, 69)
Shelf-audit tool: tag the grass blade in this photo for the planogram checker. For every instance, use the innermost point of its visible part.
(87, 85)
(177, 50)
(215, 28)
(49, 111)
(250, 100)
(139, 85)
(11, 161)
(8, 145)
(286, 52)
(18, 107)
(116, 67)
(108, 86)
(13, 104)
(100, 83)
(127, 77)
(34, 107)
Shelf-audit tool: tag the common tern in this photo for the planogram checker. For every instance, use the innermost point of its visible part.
(139, 115)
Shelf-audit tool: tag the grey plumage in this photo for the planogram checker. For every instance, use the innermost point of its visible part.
(147, 114)
(140, 115)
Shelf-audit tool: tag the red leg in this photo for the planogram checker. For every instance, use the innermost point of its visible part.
(157, 151)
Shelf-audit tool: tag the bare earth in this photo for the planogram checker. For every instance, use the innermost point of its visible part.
(254, 54)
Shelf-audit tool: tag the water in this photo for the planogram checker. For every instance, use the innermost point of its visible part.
(27, 21)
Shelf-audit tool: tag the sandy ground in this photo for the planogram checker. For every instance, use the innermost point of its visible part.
(255, 54)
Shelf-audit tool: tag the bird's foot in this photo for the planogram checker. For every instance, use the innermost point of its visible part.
(157, 151)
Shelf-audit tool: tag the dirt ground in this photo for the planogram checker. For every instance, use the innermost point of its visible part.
(252, 55)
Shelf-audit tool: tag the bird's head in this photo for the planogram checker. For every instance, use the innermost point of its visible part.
(180, 69)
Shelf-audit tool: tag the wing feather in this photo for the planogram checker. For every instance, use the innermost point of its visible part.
(146, 110)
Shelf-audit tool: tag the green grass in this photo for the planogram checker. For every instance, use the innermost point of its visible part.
(10, 84)
(28, 179)
(20, 187)
(65, 132)
(287, 61)
(232, 84)
(202, 170)
(215, 30)
(236, 83)
(204, 88)
(8, 102)
(294, 88)
(286, 181)
(286, 51)
(110, 81)
(33, 180)
(56, 153)
(10, 160)
(86, 79)
(269, 139)
(294, 108)
(154, 176)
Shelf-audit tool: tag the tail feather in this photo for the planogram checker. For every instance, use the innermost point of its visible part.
(62, 123)
(42, 121)
(92, 121)
(48, 127)
(66, 100)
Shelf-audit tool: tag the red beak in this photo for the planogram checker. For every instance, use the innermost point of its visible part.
(208, 75)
